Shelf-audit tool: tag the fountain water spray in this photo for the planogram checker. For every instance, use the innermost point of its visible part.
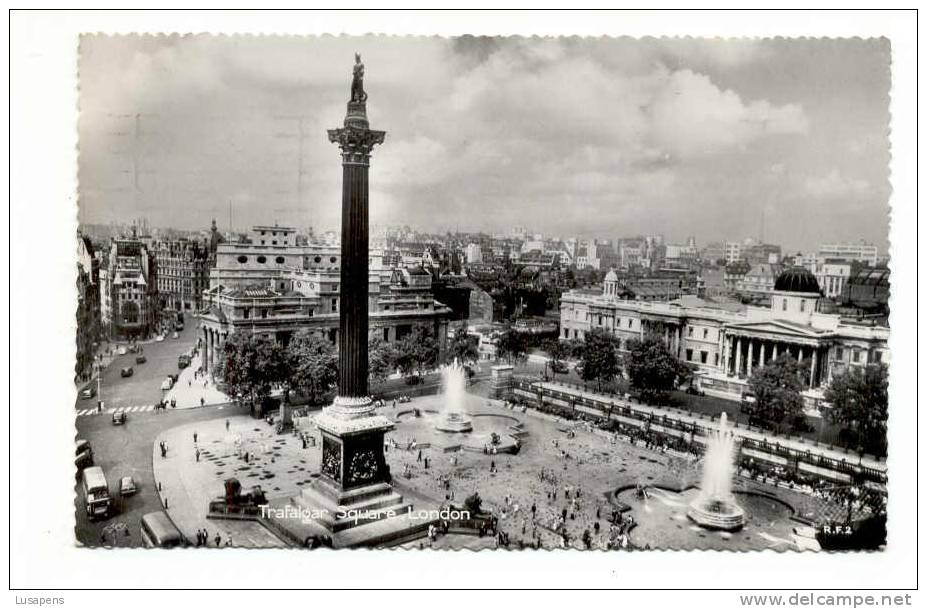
(715, 507)
(453, 417)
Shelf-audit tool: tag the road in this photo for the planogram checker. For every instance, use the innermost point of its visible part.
(144, 386)
(125, 450)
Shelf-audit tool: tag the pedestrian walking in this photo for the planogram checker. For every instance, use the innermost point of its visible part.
(194, 437)
(226, 422)
(197, 455)
(218, 539)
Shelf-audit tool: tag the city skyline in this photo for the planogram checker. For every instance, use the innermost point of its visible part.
(494, 132)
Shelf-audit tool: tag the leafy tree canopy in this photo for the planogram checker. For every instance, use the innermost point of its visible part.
(859, 404)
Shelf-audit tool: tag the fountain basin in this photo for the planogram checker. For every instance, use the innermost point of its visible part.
(718, 514)
(454, 422)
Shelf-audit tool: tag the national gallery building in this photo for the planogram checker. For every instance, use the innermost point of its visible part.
(726, 342)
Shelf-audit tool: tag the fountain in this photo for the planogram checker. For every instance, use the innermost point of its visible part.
(452, 417)
(715, 507)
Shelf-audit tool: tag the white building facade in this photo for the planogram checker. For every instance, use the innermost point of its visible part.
(726, 345)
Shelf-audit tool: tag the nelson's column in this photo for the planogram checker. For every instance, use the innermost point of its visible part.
(354, 473)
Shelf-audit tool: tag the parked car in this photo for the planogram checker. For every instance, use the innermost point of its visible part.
(159, 338)
(120, 417)
(84, 455)
(88, 392)
(122, 351)
(167, 384)
(127, 371)
(83, 460)
(183, 361)
(83, 446)
(141, 359)
(127, 486)
(158, 531)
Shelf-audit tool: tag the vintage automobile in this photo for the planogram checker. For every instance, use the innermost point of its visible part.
(141, 359)
(127, 486)
(120, 417)
(127, 371)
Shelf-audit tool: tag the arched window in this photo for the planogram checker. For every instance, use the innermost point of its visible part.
(280, 260)
(242, 259)
(262, 259)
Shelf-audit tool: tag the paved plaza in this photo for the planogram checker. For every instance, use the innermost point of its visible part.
(276, 463)
(193, 389)
(562, 467)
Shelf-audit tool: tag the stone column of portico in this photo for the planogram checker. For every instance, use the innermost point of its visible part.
(737, 362)
(762, 353)
(205, 356)
(814, 368)
(775, 354)
(727, 355)
(749, 357)
(213, 347)
(678, 340)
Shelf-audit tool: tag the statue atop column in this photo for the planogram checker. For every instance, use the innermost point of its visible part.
(357, 85)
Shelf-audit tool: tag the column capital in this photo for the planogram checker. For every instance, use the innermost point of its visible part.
(356, 143)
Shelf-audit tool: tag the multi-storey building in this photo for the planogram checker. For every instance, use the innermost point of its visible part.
(861, 252)
(832, 276)
(759, 282)
(474, 253)
(275, 290)
(183, 273)
(727, 342)
(733, 252)
(308, 300)
(762, 253)
(129, 306)
(88, 306)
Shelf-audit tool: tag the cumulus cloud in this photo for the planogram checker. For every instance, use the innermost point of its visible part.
(624, 134)
(836, 185)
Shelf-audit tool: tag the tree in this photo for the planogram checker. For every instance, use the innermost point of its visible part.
(379, 360)
(599, 359)
(777, 387)
(557, 351)
(313, 365)
(415, 353)
(512, 346)
(859, 404)
(464, 347)
(653, 371)
(250, 366)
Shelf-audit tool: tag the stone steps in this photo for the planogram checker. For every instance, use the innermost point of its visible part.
(339, 516)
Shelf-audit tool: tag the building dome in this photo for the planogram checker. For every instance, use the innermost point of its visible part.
(797, 279)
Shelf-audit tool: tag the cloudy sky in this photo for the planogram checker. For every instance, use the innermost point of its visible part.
(584, 137)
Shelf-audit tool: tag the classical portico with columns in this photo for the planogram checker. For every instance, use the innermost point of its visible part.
(726, 342)
(751, 345)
